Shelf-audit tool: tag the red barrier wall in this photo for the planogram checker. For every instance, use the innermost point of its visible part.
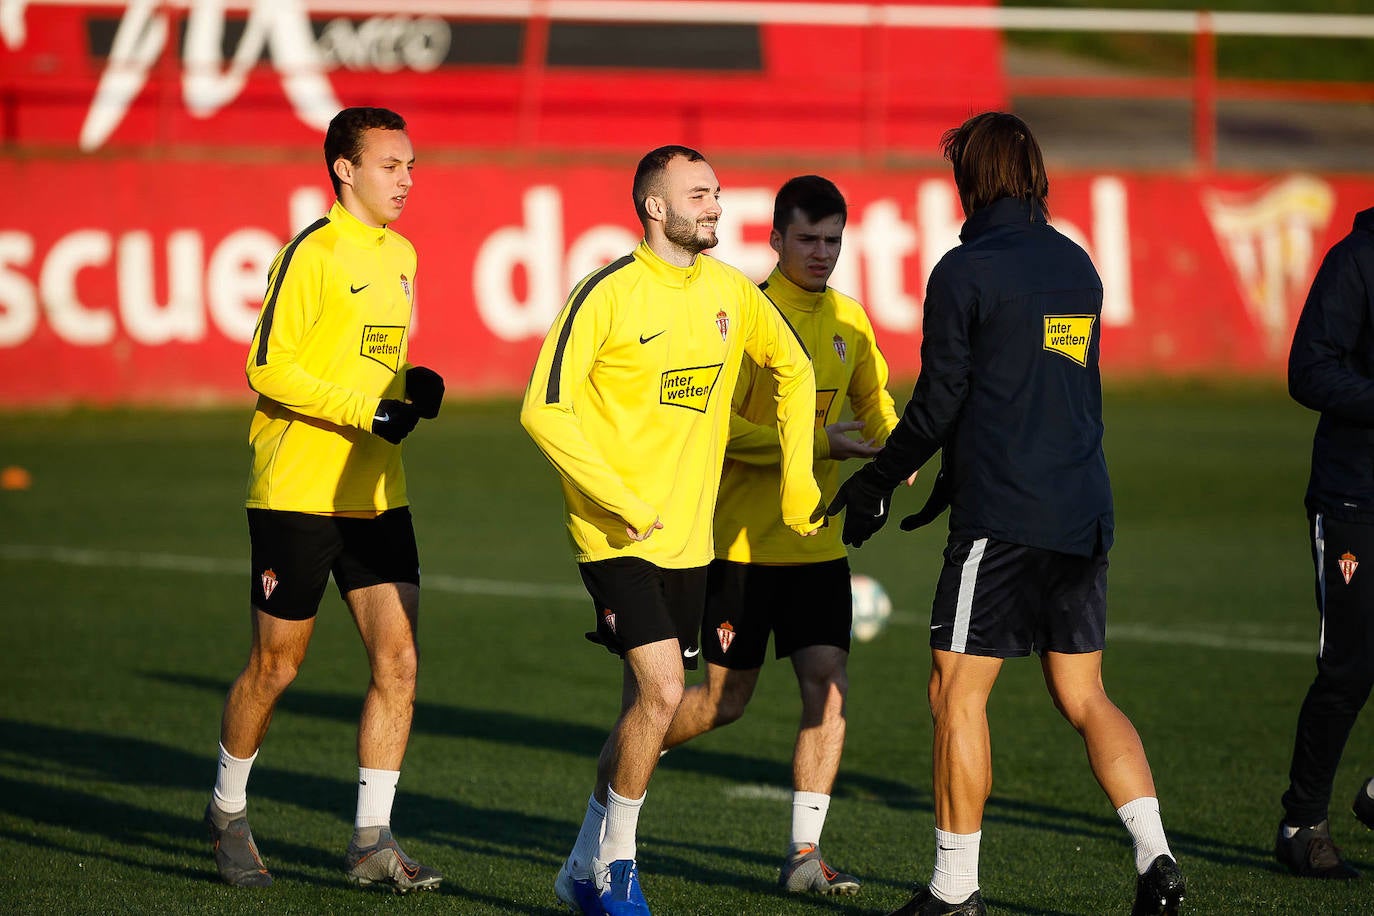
(135, 280)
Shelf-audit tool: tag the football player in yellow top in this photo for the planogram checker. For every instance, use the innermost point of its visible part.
(630, 401)
(327, 493)
(764, 581)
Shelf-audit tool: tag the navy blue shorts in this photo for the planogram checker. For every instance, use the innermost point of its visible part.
(804, 605)
(638, 603)
(1009, 600)
(295, 552)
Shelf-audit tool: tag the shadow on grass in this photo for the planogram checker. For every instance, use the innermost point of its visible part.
(562, 736)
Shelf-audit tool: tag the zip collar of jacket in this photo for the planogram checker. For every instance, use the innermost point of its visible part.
(1006, 211)
(354, 229)
(1365, 219)
(783, 291)
(665, 273)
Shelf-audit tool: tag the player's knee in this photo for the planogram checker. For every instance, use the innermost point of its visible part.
(660, 699)
(272, 672)
(396, 669)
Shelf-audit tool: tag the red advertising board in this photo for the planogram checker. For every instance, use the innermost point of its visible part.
(139, 280)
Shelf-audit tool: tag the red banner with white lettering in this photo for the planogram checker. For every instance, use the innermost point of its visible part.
(140, 281)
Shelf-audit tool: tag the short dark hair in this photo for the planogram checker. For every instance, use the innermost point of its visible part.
(649, 174)
(344, 139)
(816, 197)
(995, 155)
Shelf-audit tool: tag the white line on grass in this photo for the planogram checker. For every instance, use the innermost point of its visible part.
(168, 562)
(459, 585)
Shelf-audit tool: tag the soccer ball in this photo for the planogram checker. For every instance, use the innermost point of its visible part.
(872, 607)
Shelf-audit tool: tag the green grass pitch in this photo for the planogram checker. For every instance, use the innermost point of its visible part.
(125, 614)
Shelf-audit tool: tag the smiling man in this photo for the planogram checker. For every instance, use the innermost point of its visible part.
(630, 401)
(327, 492)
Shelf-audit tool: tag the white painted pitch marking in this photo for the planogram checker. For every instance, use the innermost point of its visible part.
(460, 585)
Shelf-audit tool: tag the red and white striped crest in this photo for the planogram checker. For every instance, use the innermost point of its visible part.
(609, 617)
(726, 634)
(1347, 564)
(723, 322)
(269, 583)
(838, 341)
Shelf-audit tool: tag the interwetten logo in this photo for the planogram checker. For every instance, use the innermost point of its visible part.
(383, 343)
(690, 388)
(1069, 335)
(825, 397)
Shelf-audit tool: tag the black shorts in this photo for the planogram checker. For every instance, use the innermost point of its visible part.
(804, 605)
(638, 603)
(1008, 600)
(294, 553)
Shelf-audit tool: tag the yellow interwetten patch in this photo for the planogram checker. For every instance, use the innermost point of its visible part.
(824, 398)
(690, 388)
(1069, 335)
(383, 343)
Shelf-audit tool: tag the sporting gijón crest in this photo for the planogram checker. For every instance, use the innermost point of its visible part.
(838, 341)
(726, 634)
(269, 583)
(609, 618)
(723, 322)
(1348, 563)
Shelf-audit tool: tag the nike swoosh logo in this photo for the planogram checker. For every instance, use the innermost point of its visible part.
(358, 289)
(692, 652)
(936, 626)
(881, 509)
(644, 340)
(381, 418)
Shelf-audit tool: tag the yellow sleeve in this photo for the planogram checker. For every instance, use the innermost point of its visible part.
(752, 443)
(549, 411)
(772, 342)
(868, 395)
(293, 305)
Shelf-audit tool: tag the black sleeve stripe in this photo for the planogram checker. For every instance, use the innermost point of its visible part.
(266, 329)
(556, 366)
(783, 316)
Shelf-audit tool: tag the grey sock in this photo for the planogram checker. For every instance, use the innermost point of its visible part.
(221, 818)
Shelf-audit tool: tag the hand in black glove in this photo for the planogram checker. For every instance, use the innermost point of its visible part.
(936, 503)
(425, 389)
(394, 420)
(865, 502)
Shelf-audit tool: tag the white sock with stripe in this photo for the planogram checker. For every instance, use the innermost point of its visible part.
(808, 818)
(956, 865)
(622, 821)
(1141, 818)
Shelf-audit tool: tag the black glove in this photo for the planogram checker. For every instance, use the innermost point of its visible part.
(865, 502)
(936, 502)
(425, 389)
(394, 420)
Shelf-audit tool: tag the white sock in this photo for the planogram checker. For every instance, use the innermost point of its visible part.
(808, 818)
(231, 781)
(376, 792)
(1369, 788)
(1141, 818)
(956, 865)
(622, 820)
(588, 841)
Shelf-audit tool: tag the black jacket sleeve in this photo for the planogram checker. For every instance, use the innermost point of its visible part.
(1325, 366)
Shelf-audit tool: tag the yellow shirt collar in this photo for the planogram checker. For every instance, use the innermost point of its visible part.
(784, 292)
(355, 229)
(665, 273)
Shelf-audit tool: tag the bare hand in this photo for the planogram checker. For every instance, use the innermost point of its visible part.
(842, 446)
(636, 536)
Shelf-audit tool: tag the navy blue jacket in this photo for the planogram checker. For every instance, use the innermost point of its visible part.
(1331, 369)
(1010, 388)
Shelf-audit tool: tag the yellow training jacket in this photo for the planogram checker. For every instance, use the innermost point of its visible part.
(331, 342)
(848, 364)
(630, 401)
